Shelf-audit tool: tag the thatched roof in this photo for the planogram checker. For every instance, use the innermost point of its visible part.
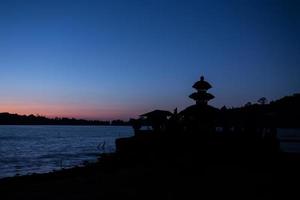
(157, 113)
(199, 96)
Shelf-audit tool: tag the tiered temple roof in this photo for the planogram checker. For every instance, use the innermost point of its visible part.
(201, 96)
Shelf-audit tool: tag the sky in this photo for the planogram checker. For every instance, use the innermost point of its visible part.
(118, 59)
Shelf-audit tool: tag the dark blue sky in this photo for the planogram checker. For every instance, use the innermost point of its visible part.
(111, 59)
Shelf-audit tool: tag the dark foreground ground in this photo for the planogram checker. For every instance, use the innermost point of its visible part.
(179, 175)
(162, 167)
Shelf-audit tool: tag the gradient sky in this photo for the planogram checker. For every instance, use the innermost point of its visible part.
(117, 59)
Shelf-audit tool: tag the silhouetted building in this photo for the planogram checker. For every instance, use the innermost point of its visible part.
(157, 119)
(200, 117)
(246, 132)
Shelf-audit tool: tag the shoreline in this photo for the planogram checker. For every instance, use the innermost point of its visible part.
(292, 157)
(286, 156)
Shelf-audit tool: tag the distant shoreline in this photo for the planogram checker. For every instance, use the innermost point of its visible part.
(16, 119)
(65, 125)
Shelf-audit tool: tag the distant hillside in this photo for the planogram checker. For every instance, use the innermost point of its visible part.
(284, 112)
(15, 119)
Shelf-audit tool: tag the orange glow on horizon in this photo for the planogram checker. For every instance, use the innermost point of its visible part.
(67, 110)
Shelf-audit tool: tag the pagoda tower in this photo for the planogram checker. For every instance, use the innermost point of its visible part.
(201, 96)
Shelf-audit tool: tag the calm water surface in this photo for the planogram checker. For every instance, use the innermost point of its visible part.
(289, 139)
(38, 149)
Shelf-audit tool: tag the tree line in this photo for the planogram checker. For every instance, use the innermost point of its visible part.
(16, 119)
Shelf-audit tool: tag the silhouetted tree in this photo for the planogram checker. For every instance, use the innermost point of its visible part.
(248, 104)
(262, 100)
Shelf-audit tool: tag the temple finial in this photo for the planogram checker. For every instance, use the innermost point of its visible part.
(202, 78)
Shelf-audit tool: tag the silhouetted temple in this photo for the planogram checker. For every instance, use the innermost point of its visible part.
(201, 129)
(200, 117)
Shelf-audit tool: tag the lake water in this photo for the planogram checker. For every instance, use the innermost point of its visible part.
(39, 149)
(289, 139)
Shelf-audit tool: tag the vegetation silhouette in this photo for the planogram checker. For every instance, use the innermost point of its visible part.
(15, 119)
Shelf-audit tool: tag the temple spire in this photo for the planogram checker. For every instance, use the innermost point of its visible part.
(201, 96)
